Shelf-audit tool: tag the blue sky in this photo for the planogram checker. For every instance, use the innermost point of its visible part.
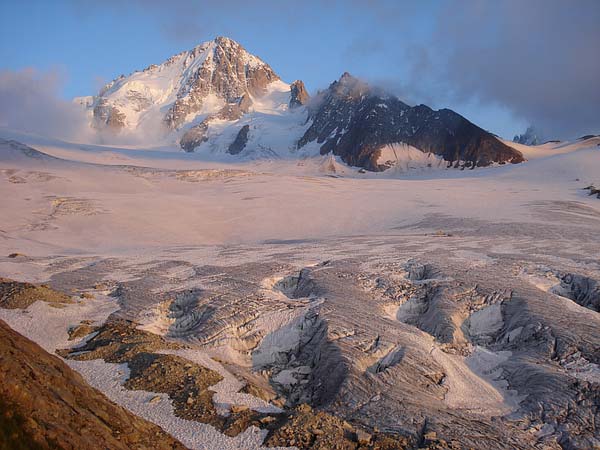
(494, 62)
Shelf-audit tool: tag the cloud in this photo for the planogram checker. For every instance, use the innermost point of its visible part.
(539, 59)
(536, 60)
(30, 102)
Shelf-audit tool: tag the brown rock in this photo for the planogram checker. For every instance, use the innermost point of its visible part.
(44, 404)
(227, 74)
(235, 409)
(107, 116)
(298, 94)
(363, 437)
(81, 330)
(311, 429)
(16, 294)
(155, 399)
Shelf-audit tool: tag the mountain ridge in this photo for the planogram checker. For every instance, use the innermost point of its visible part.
(219, 98)
(356, 121)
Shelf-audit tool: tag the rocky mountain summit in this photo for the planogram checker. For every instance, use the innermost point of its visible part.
(530, 137)
(356, 122)
(227, 71)
(219, 99)
(299, 94)
(220, 71)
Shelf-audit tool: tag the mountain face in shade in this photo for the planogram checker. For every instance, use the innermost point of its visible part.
(354, 121)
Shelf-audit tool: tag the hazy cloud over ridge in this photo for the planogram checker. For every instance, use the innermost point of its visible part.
(540, 58)
(29, 101)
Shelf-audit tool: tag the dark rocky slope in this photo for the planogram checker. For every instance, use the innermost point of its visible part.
(240, 141)
(355, 121)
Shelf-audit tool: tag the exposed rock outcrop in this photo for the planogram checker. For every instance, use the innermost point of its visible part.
(311, 429)
(240, 141)
(593, 190)
(44, 404)
(236, 109)
(299, 94)
(194, 136)
(199, 133)
(530, 137)
(107, 116)
(354, 121)
(227, 71)
(16, 294)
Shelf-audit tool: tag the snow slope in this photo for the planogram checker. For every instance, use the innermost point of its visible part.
(171, 198)
(554, 148)
(143, 205)
(403, 158)
(274, 129)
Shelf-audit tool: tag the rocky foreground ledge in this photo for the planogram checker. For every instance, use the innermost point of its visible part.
(44, 404)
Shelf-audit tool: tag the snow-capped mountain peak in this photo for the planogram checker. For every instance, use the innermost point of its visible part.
(201, 80)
